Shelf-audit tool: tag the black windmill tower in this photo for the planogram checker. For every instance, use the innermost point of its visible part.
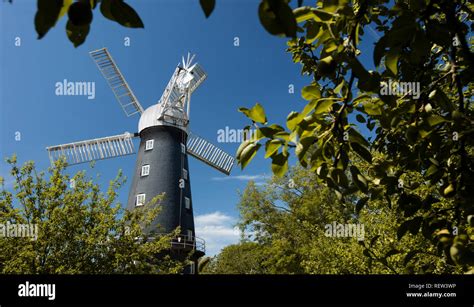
(162, 160)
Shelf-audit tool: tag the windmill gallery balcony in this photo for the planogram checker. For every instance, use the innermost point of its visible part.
(186, 243)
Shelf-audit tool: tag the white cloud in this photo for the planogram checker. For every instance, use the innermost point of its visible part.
(218, 230)
(215, 218)
(241, 177)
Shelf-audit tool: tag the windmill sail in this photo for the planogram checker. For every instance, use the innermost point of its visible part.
(116, 81)
(95, 149)
(209, 153)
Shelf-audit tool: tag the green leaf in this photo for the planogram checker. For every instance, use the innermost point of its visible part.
(268, 132)
(257, 114)
(330, 5)
(362, 98)
(93, 3)
(391, 60)
(415, 224)
(311, 92)
(402, 230)
(302, 148)
(356, 38)
(105, 6)
(47, 15)
(360, 118)
(125, 15)
(412, 225)
(312, 31)
(434, 120)
(308, 108)
(433, 169)
(355, 136)
(241, 148)
(410, 256)
(77, 34)
(277, 18)
(80, 13)
(339, 177)
(338, 88)
(207, 6)
(372, 109)
(379, 50)
(409, 203)
(65, 8)
(292, 120)
(323, 105)
(303, 14)
(279, 164)
(272, 147)
(434, 161)
(360, 204)
(358, 179)
(283, 135)
(362, 151)
(248, 153)
(322, 16)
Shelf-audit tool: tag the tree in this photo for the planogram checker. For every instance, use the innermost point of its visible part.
(242, 258)
(423, 48)
(287, 220)
(80, 229)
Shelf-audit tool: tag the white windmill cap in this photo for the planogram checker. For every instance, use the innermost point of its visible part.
(149, 118)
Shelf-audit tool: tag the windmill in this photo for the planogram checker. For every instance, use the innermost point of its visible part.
(162, 160)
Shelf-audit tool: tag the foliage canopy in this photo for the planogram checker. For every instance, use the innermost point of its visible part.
(79, 229)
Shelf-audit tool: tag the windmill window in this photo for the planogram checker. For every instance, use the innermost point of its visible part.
(192, 268)
(145, 170)
(183, 148)
(149, 145)
(140, 200)
(185, 174)
(190, 235)
(187, 203)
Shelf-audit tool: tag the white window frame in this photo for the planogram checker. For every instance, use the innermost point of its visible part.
(192, 268)
(145, 170)
(185, 174)
(190, 235)
(138, 197)
(149, 144)
(183, 148)
(187, 203)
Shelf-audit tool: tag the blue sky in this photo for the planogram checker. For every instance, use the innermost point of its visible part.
(258, 70)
